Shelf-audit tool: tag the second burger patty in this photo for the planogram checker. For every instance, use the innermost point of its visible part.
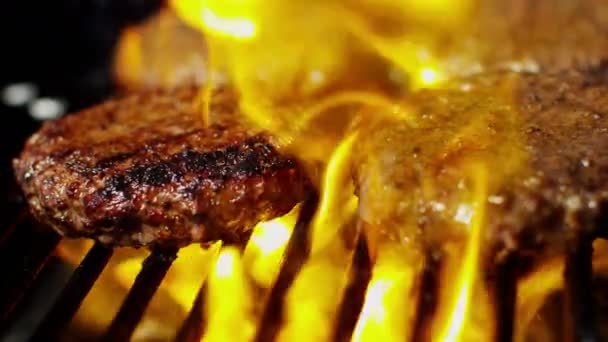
(144, 170)
(530, 149)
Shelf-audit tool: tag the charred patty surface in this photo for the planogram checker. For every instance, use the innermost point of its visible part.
(528, 148)
(143, 170)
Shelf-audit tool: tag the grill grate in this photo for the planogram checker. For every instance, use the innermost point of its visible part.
(504, 285)
(23, 257)
(132, 309)
(354, 295)
(580, 319)
(296, 254)
(192, 329)
(74, 292)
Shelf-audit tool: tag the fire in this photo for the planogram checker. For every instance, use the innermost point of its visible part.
(323, 69)
(338, 202)
(264, 251)
(390, 302)
(262, 255)
(457, 310)
(283, 94)
(229, 300)
(227, 18)
(314, 297)
(161, 52)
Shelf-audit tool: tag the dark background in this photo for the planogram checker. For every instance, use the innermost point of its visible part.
(64, 48)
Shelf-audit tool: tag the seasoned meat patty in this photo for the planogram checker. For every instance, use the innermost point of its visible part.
(548, 36)
(143, 170)
(527, 152)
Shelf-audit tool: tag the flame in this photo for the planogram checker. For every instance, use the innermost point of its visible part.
(533, 290)
(313, 299)
(338, 202)
(390, 303)
(180, 283)
(263, 255)
(264, 251)
(161, 52)
(457, 311)
(229, 301)
(307, 303)
(230, 19)
(294, 64)
(283, 94)
(129, 65)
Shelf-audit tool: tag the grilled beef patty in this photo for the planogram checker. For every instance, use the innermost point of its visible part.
(548, 36)
(540, 140)
(143, 170)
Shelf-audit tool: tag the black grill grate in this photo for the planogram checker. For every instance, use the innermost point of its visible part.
(23, 257)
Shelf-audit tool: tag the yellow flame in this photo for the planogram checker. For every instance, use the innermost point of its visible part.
(223, 17)
(129, 56)
(127, 270)
(390, 303)
(264, 251)
(459, 309)
(271, 236)
(414, 58)
(338, 202)
(428, 76)
(533, 290)
(281, 63)
(313, 299)
(229, 301)
(180, 283)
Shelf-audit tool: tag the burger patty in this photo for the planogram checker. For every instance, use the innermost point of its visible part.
(528, 35)
(144, 170)
(530, 149)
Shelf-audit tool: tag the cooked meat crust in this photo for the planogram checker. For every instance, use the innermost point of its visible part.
(143, 170)
(543, 140)
(529, 35)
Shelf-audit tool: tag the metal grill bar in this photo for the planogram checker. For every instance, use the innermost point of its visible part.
(27, 250)
(354, 295)
(73, 293)
(193, 327)
(428, 296)
(505, 294)
(133, 307)
(296, 254)
(579, 312)
(20, 218)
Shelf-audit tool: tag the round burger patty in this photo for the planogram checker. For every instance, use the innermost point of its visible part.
(537, 143)
(144, 170)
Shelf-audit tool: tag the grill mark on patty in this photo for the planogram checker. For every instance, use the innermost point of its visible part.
(143, 171)
(253, 157)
